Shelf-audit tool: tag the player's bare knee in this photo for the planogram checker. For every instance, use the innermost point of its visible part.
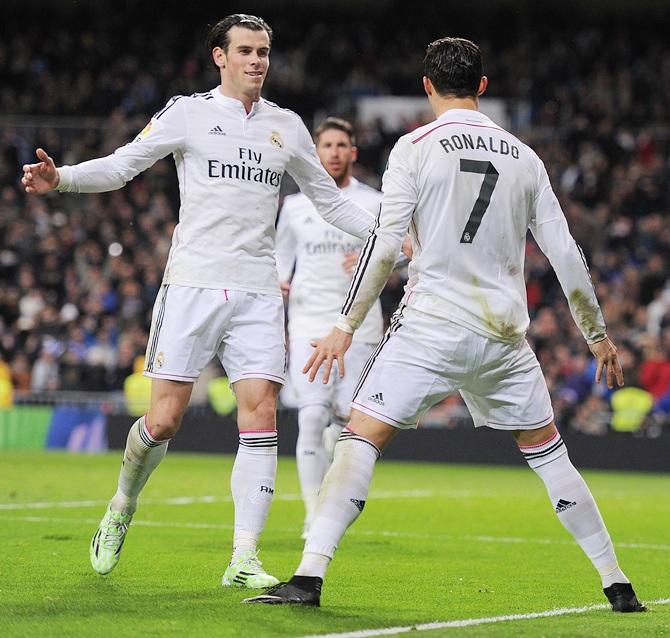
(375, 431)
(261, 415)
(256, 404)
(525, 438)
(163, 424)
(265, 412)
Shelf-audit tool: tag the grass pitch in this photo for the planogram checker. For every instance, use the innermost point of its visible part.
(436, 544)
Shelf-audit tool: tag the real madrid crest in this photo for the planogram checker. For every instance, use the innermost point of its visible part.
(160, 360)
(276, 140)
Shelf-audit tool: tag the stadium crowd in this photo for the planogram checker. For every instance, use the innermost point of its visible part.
(78, 275)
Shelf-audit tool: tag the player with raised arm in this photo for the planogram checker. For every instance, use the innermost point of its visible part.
(471, 190)
(316, 259)
(220, 294)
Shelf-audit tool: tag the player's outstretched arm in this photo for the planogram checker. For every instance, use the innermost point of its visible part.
(164, 134)
(328, 350)
(350, 260)
(550, 229)
(41, 177)
(605, 353)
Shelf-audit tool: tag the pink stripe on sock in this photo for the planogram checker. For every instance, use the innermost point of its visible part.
(549, 440)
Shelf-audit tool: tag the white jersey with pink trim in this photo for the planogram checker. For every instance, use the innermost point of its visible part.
(469, 191)
(313, 251)
(229, 164)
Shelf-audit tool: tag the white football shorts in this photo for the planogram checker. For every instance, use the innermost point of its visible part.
(190, 326)
(422, 359)
(337, 393)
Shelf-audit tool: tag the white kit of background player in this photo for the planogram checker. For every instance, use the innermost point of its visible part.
(310, 254)
(220, 295)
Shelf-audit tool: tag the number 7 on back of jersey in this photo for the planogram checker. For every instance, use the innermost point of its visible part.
(490, 178)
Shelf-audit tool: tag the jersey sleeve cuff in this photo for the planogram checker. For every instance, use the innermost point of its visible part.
(345, 324)
(64, 179)
(595, 339)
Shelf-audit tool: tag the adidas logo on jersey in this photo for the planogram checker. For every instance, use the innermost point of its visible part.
(377, 398)
(563, 505)
(217, 130)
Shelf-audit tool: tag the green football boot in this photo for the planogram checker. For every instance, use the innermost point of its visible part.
(108, 540)
(247, 571)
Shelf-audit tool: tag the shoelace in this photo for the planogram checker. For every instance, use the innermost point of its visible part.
(114, 533)
(254, 563)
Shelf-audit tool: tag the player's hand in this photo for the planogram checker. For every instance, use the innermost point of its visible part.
(42, 177)
(349, 262)
(606, 355)
(328, 350)
(285, 287)
(407, 247)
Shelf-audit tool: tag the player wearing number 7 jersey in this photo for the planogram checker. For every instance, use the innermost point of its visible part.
(469, 191)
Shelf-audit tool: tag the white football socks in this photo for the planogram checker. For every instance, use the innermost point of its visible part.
(252, 484)
(330, 437)
(142, 455)
(574, 505)
(310, 455)
(342, 498)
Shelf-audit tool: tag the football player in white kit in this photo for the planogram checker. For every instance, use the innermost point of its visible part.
(313, 255)
(471, 190)
(220, 294)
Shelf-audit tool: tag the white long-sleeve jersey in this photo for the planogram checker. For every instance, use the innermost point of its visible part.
(317, 250)
(229, 165)
(469, 191)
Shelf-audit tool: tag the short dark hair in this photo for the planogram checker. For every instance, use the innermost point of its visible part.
(338, 124)
(454, 66)
(218, 35)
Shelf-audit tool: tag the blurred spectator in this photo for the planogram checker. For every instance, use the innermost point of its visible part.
(655, 369)
(630, 407)
(45, 375)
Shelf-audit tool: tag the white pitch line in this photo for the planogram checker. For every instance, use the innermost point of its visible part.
(468, 622)
(50, 505)
(547, 541)
(95, 521)
(190, 500)
(352, 532)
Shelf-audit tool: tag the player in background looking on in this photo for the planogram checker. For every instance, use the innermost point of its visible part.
(220, 294)
(315, 263)
(471, 190)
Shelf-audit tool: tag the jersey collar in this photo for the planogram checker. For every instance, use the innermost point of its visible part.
(231, 102)
(466, 115)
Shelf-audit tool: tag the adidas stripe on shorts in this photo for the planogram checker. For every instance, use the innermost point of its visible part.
(190, 326)
(422, 359)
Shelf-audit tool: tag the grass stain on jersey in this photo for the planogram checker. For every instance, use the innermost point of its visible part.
(380, 273)
(506, 330)
(587, 313)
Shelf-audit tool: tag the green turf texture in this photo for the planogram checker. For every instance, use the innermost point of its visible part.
(438, 543)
